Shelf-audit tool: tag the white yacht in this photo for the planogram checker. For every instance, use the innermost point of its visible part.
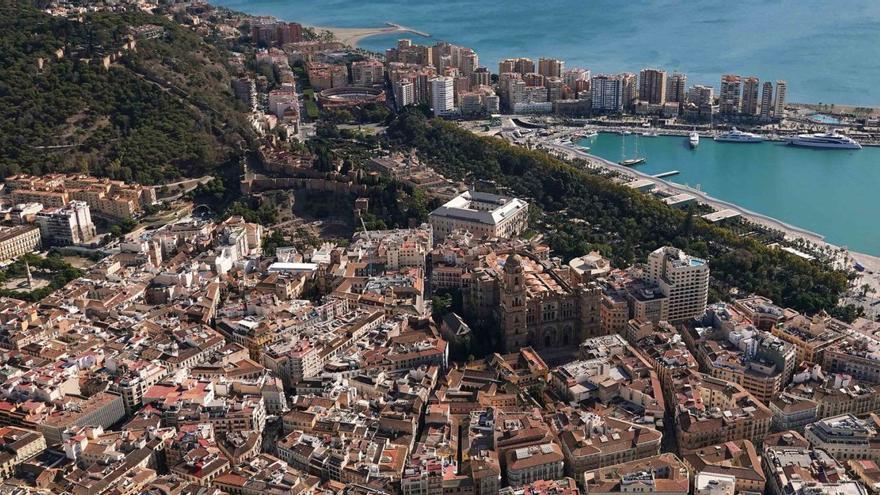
(590, 134)
(694, 139)
(829, 140)
(737, 136)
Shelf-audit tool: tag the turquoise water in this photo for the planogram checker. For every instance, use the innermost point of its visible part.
(831, 192)
(827, 51)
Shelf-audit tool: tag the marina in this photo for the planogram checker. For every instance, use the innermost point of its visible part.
(827, 191)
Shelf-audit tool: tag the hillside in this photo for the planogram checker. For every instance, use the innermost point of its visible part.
(159, 111)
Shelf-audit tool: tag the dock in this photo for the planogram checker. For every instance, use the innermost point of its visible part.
(666, 174)
(407, 29)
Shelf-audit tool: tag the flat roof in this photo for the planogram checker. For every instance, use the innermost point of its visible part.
(717, 216)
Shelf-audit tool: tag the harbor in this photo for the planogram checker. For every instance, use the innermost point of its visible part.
(825, 191)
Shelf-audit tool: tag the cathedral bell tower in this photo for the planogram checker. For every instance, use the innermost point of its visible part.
(513, 305)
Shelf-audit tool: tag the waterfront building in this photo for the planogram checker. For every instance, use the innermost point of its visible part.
(682, 278)
(729, 96)
(750, 96)
(71, 224)
(629, 90)
(652, 86)
(482, 214)
(701, 99)
(767, 100)
(779, 102)
(442, 95)
(676, 88)
(551, 67)
(606, 92)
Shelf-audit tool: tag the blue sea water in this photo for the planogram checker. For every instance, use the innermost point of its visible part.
(827, 51)
(831, 192)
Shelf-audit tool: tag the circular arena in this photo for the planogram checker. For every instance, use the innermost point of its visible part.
(350, 96)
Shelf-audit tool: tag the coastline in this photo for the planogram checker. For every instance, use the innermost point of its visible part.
(353, 36)
(845, 260)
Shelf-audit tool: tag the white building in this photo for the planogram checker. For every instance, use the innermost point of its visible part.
(71, 224)
(482, 214)
(682, 278)
(714, 484)
(404, 93)
(442, 95)
(845, 437)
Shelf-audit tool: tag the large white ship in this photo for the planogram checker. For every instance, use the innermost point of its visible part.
(737, 136)
(830, 140)
(694, 139)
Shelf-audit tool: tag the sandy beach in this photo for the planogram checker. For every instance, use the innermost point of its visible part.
(353, 36)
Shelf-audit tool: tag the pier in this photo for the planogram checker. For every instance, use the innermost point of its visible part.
(398, 27)
(666, 174)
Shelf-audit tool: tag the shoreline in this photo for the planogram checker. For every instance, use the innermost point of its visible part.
(353, 36)
(845, 260)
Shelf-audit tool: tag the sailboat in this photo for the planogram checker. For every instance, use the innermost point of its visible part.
(630, 162)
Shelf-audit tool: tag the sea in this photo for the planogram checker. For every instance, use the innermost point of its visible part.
(827, 52)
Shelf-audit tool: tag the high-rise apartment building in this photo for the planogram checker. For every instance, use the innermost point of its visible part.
(676, 88)
(404, 93)
(606, 91)
(767, 100)
(480, 77)
(652, 86)
(551, 67)
(779, 104)
(571, 77)
(469, 61)
(520, 65)
(629, 89)
(682, 278)
(71, 224)
(443, 95)
(729, 98)
(750, 96)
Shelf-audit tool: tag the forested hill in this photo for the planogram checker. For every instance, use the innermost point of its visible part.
(160, 111)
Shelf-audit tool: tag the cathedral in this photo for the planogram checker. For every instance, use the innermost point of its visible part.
(539, 306)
